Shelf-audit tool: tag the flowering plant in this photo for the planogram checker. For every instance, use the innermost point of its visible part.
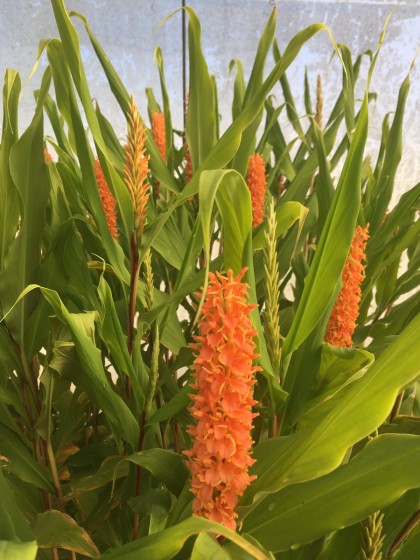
(207, 348)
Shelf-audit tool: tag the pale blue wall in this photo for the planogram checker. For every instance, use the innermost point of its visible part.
(128, 31)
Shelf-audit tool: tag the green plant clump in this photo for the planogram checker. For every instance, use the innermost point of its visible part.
(157, 297)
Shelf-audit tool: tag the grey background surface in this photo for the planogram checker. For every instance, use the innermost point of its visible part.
(129, 30)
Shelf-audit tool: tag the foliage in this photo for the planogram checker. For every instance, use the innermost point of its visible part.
(97, 324)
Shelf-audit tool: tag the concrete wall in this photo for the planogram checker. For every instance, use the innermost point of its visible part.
(129, 30)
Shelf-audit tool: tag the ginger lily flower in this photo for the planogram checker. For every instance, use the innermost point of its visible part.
(222, 403)
(158, 132)
(108, 201)
(342, 321)
(257, 184)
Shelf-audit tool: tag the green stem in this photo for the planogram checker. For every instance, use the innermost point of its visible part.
(405, 531)
(154, 373)
(50, 452)
(397, 405)
(132, 306)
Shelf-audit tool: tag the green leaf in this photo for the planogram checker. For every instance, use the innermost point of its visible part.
(179, 402)
(238, 87)
(21, 266)
(229, 190)
(18, 550)
(225, 149)
(9, 203)
(206, 547)
(301, 180)
(307, 94)
(158, 167)
(13, 525)
(385, 469)
(166, 466)
(97, 385)
(111, 469)
(348, 88)
(116, 341)
(8, 358)
(201, 119)
(155, 504)
(20, 461)
(54, 529)
(288, 97)
(232, 195)
(274, 136)
(349, 416)
(67, 104)
(338, 367)
(286, 215)
(247, 145)
(165, 544)
(385, 181)
(334, 244)
(344, 544)
(324, 188)
(166, 108)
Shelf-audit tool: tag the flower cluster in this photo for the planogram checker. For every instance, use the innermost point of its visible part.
(222, 402)
(108, 201)
(136, 167)
(342, 321)
(158, 132)
(159, 136)
(257, 184)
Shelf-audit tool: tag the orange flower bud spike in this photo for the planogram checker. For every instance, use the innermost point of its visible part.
(158, 132)
(257, 184)
(222, 405)
(159, 136)
(136, 168)
(342, 321)
(108, 201)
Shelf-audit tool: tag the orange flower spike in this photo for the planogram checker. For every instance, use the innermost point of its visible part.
(108, 201)
(342, 321)
(136, 167)
(257, 184)
(159, 136)
(222, 405)
(158, 132)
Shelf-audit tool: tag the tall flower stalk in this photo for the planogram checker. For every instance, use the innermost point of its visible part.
(342, 321)
(224, 378)
(272, 291)
(107, 198)
(257, 184)
(319, 102)
(136, 170)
